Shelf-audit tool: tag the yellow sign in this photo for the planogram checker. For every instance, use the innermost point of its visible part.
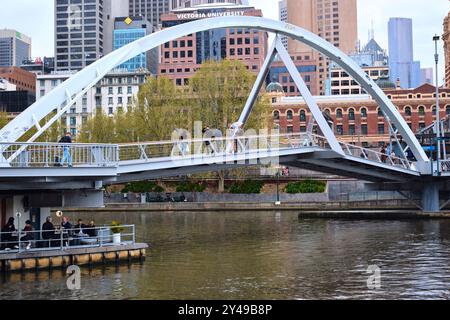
(128, 21)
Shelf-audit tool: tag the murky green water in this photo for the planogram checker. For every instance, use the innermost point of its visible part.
(260, 255)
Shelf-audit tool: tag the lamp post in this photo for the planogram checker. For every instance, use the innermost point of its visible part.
(278, 202)
(436, 38)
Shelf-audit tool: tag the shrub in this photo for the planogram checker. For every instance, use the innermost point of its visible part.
(142, 187)
(246, 187)
(116, 227)
(191, 187)
(307, 186)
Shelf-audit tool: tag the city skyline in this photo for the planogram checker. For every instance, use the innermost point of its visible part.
(424, 26)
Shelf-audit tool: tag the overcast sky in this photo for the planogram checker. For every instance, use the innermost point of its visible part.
(35, 19)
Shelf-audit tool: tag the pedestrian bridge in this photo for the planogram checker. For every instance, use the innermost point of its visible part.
(120, 163)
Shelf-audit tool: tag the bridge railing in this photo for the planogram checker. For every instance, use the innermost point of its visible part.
(376, 156)
(57, 155)
(217, 146)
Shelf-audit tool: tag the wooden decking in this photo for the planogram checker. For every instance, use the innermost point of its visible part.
(57, 258)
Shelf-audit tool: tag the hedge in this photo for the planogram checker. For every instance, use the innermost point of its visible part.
(142, 187)
(246, 187)
(191, 187)
(307, 186)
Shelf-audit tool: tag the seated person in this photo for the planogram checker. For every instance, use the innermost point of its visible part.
(8, 237)
(79, 228)
(29, 235)
(91, 229)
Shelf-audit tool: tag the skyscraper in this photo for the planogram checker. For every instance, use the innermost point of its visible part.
(15, 48)
(334, 20)
(401, 63)
(176, 4)
(446, 39)
(79, 33)
(150, 9)
(283, 16)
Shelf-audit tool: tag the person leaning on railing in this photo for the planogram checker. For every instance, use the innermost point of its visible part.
(28, 234)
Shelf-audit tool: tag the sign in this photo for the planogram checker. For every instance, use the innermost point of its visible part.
(200, 15)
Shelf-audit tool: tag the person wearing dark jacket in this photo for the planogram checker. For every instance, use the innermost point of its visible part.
(8, 238)
(67, 139)
(28, 234)
(48, 231)
(80, 227)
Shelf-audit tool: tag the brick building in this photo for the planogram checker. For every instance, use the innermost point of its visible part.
(446, 38)
(182, 57)
(357, 118)
(22, 79)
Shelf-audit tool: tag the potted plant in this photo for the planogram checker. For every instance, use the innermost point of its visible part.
(116, 229)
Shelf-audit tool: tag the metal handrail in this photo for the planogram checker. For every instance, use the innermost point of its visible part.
(64, 239)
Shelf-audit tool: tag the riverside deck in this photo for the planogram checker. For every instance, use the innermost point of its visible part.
(68, 247)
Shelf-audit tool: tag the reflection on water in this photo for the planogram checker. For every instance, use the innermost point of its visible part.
(260, 255)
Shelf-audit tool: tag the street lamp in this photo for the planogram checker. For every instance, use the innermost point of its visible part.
(278, 202)
(436, 38)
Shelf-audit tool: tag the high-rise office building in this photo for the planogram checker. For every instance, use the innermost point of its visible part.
(334, 20)
(182, 57)
(130, 29)
(150, 9)
(176, 4)
(427, 76)
(446, 39)
(283, 16)
(15, 48)
(79, 33)
(401, 55)
(112, 10)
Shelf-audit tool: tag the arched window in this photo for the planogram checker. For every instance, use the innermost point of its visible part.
(351, 114)
(408, 111)
(289, 115)
(276, 115)
(363, 113)
(433, 111)
(339, 113)
(380, 113)
(327, 111)
(421, 111)
(302, 115)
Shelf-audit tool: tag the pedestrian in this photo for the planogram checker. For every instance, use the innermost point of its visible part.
(383, 154)
(67, 139)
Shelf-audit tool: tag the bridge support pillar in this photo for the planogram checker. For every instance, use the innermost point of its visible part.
(430, 197)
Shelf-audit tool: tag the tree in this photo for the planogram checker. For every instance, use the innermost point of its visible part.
(3, 119)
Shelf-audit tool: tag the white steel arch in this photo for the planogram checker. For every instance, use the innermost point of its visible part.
(73, 88)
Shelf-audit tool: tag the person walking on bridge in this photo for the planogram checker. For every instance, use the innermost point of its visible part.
(67, 139)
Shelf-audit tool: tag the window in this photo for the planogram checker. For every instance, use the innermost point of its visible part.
(302, 115)
(421, 111)
(381, 128)
(363, 113)
(339, 113)
(380, 113)
(351, 114)
(364, 129)
(447, 110)
(340, 129)
(289, 115)
(351, 129)
(408, 111)
(290, 129)
(276, 115)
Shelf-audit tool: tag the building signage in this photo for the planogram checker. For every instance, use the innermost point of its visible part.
(200, 15)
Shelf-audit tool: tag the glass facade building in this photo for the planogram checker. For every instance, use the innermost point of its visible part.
(124, 37)
(15, 48)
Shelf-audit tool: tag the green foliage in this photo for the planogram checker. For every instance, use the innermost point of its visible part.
(307, 186)
(116, 227)
(191, 187)
(3, 119)
(215, 95)
(142, 187)
(246, 187)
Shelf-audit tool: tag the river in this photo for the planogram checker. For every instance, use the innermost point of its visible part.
(260, 255)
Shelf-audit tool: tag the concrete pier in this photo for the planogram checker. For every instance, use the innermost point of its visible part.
(51, 259)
